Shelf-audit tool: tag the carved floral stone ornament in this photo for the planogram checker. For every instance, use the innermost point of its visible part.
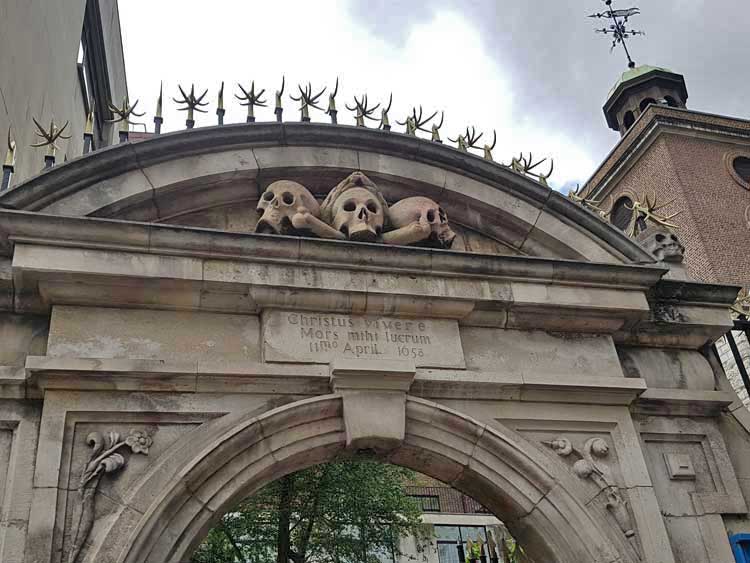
(355, 210)
(105, 459)
(589, 466)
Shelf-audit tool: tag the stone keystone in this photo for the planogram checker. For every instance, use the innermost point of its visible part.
(374, 398)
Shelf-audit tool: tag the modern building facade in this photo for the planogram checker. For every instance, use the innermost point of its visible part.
(59, 61)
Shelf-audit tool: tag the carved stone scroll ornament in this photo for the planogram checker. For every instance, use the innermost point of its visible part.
(288, 208)
(419, 220)
(588, 466)
(105, 458)
(356, 208)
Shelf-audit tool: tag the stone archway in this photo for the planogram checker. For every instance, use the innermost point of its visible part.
(175, 505)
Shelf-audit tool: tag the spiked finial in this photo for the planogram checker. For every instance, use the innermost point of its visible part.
(307, 100)
(332, 111)
(220, 103)
(648, 209)
(191, 103)
(488, 148)
(49, 135)
(89, 127)
(362, 110)
(10, 156)
(159, 101)
(124, 113)
(527, 166)
(251, 99)
(415, 122)
(278, 110)
(435, 138)
(220, 111)
(385, 123)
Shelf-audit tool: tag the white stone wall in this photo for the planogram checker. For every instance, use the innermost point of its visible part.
(730, 366)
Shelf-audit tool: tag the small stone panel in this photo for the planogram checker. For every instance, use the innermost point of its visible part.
(318, 338)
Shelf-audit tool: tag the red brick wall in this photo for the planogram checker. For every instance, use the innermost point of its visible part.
(692, 171)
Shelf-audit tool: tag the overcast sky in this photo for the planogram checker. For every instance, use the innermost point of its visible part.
(534, 70)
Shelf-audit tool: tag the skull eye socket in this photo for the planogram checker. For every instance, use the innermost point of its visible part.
(268, 196)
(660, 238)
(674, 238)
(431, 215)
(288, 198)
(371, 207)
(350, 205)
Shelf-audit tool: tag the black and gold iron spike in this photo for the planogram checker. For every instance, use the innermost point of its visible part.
(158, 119)
(332, 111)
(9, 165)
(385, 123)
(123, 115)
(307, 100)
(220, 111)
(251, 99)
(88, 131)
(279, 110)
(191, 103)
(50, 136)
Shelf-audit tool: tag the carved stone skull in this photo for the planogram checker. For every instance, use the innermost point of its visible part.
(359, 215)
(279, 203)
(662, 243)
(356, 208)
(421, 220)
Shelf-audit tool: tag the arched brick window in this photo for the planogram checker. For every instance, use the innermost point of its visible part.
(621, 214)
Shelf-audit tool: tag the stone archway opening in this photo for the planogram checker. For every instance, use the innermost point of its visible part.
(358, 509)
(173, 508)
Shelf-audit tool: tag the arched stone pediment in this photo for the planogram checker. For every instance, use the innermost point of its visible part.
(213, 177)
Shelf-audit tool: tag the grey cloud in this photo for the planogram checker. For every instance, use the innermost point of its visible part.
(561, 70)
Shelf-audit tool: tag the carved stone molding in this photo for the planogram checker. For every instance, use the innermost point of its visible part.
(588, 466)
(105, 458)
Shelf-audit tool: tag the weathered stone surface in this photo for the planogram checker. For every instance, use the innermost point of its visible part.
(525, 353)
(85, 332)
(304, 337)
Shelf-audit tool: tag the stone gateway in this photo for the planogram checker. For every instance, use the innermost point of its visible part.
(188, 318)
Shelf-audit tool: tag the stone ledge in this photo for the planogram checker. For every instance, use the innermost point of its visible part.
(682, 402)
(45, 373)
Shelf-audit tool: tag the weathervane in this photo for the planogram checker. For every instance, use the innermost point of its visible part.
(618, 28)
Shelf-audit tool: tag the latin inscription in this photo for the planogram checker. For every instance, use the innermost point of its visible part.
(320, 337)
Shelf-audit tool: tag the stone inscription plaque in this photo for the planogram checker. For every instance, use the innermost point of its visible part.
(318, 338)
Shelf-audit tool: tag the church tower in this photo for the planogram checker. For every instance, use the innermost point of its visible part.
(636, 89)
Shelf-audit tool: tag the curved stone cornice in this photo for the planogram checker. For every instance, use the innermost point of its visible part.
(544, 219)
